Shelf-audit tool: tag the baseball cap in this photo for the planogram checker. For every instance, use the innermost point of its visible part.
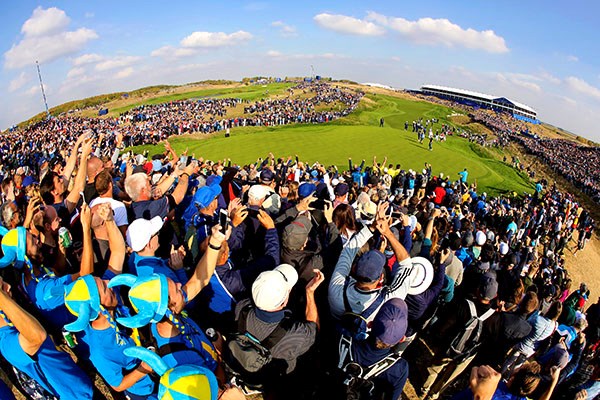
(29, 180)
(258, 191)
(488, 288)
(369, 266)
(306, 189)
(156, 165)
(206, 194)
(422, 275)
(480, 238)
(341, 189)
(141, 231)
(295, 234)
(271, 288)
(266, 176)
(391, 322)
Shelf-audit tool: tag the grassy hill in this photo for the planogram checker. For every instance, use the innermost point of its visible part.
(358, 136)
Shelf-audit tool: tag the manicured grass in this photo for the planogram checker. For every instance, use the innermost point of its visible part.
(358, 136)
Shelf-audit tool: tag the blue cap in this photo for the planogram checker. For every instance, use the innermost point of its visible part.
(29, 180)
(156, 165)
(266, 176)
(341, 189)
(206, 194)
(369, 266)
(391, 322)
(314, 173)
(306, 189)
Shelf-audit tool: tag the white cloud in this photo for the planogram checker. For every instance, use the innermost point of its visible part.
(75, 72)
(572, 58)
(35, 90)
(215, 39)
(345, 24)
(18, 82)
(45, 39)
(170, 52)
(527, 85)
(89, 15)
(87, 59)
(284, 29)
(116, 62)
(550, 78)
(326, 56)
(581, 86)
(522, 80)
(430, 31)
(45, 22)
(124, 73)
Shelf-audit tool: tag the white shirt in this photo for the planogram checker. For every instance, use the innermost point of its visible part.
(117, 206)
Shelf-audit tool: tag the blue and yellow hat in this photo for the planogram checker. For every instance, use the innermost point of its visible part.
(14, 245)
(149, 297)
(83, 301)
(184, 382)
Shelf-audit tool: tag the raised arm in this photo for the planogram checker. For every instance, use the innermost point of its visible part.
(75, 194)
(207, 264)
(87, 256)
(72, 160)
(312, 313)
(116, 243)
(182, 185)
(384, 228)
(31, 333)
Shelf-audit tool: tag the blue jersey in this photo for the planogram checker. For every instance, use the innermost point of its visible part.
(107, 354)
(54, 370)
(201, 352)
(108, 358)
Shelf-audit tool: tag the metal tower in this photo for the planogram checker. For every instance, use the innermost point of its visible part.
(43, 92)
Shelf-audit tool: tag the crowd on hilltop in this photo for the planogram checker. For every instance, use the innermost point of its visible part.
(173, 277)
(577, 163)
(150, 124)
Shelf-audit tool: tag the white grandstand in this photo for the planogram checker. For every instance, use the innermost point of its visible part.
(496, 103)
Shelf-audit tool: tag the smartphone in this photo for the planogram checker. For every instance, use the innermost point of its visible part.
(318, 204)
(223, 220)
(253, 211)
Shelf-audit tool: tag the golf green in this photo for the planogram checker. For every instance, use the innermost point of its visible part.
(359, 136)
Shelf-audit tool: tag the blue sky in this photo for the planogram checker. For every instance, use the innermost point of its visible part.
(543, 54)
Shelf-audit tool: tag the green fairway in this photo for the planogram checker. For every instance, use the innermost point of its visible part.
(359, 137)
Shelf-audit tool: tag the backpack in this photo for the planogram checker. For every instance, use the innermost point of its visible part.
(357, 379)
(244, 354)
(467, 341)
(355, 325)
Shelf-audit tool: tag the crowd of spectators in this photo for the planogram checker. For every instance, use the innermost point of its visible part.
(150, 261)
(174, 277)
